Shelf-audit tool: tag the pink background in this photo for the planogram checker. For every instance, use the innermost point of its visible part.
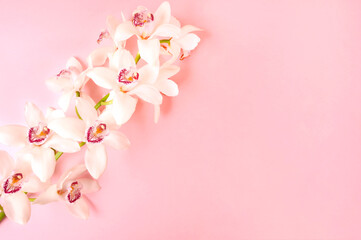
(263, 141)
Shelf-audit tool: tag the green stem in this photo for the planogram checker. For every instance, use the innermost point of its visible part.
(137, 58)
(77, 113)
(107, 103)
(58, 155)
(97, 106)
(2, 213)
(165, 41)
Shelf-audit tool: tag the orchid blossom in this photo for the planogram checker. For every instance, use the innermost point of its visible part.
(165, 85)
(148, 27)
(96, 131)
(69, 81)
(38, 140)
(182, 46)
(126, 83)
(16, 178)
(46, 137)
(70, 189)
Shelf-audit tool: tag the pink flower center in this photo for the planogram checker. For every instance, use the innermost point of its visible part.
(184, 54)
(74, 192)
(127, 76)
(64, 73)
(97, 133)
(37, 135)
(102, 36)
(13, 183)
(142, 16)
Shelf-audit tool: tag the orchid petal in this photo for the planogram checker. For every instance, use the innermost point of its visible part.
(122, 59)
(72, 174)
(24, 157)
(112, 24)
(96, 159)
(189, 41)
(168, 71)
(79, 208)
(87, 98)
(174, 21)
(61, 144)
(33, 184)
(175, 51)
(117, 140)
(123, 107)
(148, 93)
(65, 99)
(107, 117)
(33, 115)
(89, 185)
(69, 128)
(189, 28)
(23, 164)
(99, 56)
(17, 207)
(73, 64)
(148, 74)
(58, 84)
(149, 50)
(52, 113)
(103, 77)
(162, 14)
(124, 31)
(43, 163)
(7, 164)
(167, 30)
(48, 196)
(14, 135)
(86, 111)
(167, 87)
(80, 80)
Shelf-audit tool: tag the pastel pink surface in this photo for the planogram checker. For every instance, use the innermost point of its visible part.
(263, 141)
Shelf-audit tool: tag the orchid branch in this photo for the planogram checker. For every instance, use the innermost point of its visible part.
(137, 58)
(2, 213)
(100, 63)
(97, 106)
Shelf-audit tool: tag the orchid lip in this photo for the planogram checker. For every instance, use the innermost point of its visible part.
(64, 72)
(103, 35)
(38, 135)
(97, 133)
(74, 192)
(141, 17)
(13, 184)
(128, 76)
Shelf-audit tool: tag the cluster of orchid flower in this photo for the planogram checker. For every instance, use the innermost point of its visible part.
(29, 176)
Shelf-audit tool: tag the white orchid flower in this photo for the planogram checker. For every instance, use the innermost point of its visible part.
(148, 28)
(165, 85)
(70, 189)
(71, 80)
(16, 178)
(38, 140)
(96, 131)
(182, 46)
(126, 81)
(68, 81)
